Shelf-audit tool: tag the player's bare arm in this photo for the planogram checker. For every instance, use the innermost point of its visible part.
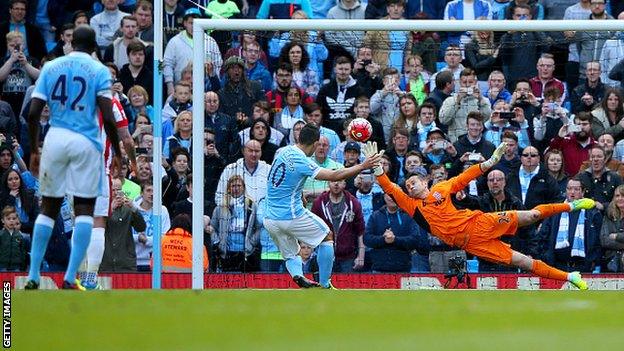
(344, 173)
(34, 114)
(128, 144)
(110, 126)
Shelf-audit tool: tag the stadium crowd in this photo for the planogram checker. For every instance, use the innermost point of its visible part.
(437, 103)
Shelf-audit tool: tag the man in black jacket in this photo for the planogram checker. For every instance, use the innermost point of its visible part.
(135, 72)
(226, 139)
(34, 45)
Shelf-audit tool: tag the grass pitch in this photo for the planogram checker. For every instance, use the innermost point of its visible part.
(317, 320)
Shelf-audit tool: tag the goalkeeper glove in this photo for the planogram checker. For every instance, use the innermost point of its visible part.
(496, 156)
(370, 149)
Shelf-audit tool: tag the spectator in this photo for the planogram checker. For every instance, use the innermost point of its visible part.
(63, 46)
(426, 45)
(179, 52)
(238, 94)
(337, 97)
(537, 10)
(13, 192)
(227, 142)
(313, 188)
(18, 71)
(550, 118)
(314, 115)
(107, 23)
(369, 199)
(177, 247)
(523, 97)
(545, 79)
(408, 113)
(415, 79)
(342, 212)
(453, 59)
(496, 88)
(482, 55)
(214, 164)
(571, 241)
(262, 110)
(234, 230)
(553, 160)
(181, 101)
(575, 146)
(397, 149)
(586, 96)
(612, 53)
(366, 71)
(345, 41)
(181, 137)
(426, 122)
(520, 50)
(313, 44)
(501, 122)
(117, 51)
(120, 253)
(392, 235)
(254, 171)
(13, 247)
(473, 146)
(444, 87)
(143, 240)
(145, 20)
(579, 11)
(390, 48)
(303, 75)
(437, 150)
(34, 45)
(384, 104)
(293, 137)
(282, 9)
(8, 121)
(136, 72)
(254, 68)
(456, 108)
(457, 10)
(176, 177)
(598, 181)
(139, 109)
(173, 18)
(291, 112)
(589, 43)
(607, 116)
(260, 131)
(510, 162)
(612, 233)
(498, 199)
(607, 142)
(277, 96)
(361, 109)
(245, 38)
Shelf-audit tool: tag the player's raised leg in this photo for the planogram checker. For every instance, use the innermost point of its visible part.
(546, 210)
(543, 270)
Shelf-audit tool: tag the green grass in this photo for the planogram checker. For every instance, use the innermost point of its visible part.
(317, 320)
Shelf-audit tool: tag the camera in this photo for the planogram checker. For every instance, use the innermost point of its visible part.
(366, 62)
(523, 96)
(439, 144)
(574, 128)
(470, 91)
(457, 268)
(507, 115)
(474, 157)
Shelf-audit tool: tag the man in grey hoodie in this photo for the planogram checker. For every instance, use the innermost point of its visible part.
(347, 40)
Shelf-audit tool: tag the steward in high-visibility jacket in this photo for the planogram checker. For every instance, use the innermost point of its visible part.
(177, 251)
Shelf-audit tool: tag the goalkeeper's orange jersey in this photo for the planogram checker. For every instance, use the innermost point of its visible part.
(436, 213)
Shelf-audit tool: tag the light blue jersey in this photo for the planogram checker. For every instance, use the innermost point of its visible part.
(288, 174)
(70, 85)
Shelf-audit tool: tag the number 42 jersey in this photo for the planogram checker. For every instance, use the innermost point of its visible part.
(70, 85)
(288, 174)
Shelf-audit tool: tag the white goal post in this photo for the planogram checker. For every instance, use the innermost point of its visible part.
(201, 25)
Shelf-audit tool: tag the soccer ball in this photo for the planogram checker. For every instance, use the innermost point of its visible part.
(360, 129)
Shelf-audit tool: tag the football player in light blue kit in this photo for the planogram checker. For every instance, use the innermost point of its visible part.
(73, 86)
(288, 221)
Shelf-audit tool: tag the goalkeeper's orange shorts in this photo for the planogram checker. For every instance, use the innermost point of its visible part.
(484, 234)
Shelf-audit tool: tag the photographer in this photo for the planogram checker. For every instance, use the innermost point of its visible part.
(384, 104)
(472, 146)
(366, 71)
(468, 99)
(524, 98)
(17, 71)
(550, 118)
(575, 141)
(438, 150)
(503, 119)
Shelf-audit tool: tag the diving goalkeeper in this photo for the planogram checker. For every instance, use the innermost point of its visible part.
(474, 231)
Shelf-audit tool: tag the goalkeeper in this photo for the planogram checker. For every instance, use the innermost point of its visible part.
(474, 231)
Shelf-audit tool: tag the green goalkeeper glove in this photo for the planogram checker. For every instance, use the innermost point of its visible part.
(370, 149)
(496, 156)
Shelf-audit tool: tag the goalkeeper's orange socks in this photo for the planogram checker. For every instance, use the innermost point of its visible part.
(548, 210)
(545, 271)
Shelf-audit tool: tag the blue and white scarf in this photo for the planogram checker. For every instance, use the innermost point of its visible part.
(578, 243)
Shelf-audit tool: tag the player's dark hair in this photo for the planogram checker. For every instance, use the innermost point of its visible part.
(309, 134)
(84, 39)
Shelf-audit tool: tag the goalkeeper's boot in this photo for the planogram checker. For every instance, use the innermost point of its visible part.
(577, 280)
(305, 283)
(73, 286)
(582, 204)
(31, 285)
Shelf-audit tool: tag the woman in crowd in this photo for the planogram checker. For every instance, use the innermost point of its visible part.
(408, 115)
(175, 180)
(555, 165)
(612, 233)
(260, 130)
(182, 134)
(13, 192)
(292, 112)
(304, 77)
(138, 105)
(608, 115)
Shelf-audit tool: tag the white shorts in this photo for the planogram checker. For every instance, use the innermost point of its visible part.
(103, 202)
(309, 229)
(70, 164)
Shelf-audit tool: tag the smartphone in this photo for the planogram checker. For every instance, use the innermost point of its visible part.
(18, 47)
(439, 144)
(507, 115)
(574, 128)
(366, 62)
(141, 151)
(553, 106)
(474, 157)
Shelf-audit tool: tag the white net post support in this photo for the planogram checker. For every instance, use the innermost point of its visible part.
(200, 25)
